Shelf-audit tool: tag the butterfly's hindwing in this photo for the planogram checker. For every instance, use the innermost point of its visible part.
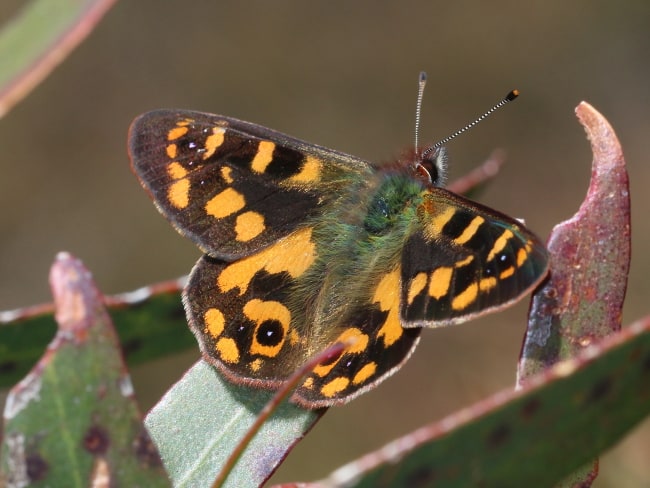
(465, 260)
(240, 312)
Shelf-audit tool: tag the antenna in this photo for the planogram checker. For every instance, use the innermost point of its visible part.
(508, 98)
(422, 81)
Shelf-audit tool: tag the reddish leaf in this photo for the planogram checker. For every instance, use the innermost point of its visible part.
(590, 258)
(582, 301)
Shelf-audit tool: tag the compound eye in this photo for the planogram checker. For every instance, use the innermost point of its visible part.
(430, 167)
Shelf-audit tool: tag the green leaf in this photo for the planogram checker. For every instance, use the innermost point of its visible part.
(38, 39)
(202, 419)
(73, 420)
(532, 437)
(150, 323)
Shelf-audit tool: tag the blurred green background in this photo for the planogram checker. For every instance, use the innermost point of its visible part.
(341, 74)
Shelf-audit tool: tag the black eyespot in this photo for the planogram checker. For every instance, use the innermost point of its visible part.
(270, 333)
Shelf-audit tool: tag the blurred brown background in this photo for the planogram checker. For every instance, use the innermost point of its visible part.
(342, 74)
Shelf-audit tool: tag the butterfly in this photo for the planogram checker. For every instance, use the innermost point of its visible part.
(306, 246)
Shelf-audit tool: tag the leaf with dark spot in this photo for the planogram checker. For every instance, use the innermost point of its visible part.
(535, 436)
(73, 418)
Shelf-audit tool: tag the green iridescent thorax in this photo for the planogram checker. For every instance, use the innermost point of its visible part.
(359, 239)
(366, 229)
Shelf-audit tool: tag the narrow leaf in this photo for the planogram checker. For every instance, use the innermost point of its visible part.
(38, 39)
(202, 419)
(590, 259)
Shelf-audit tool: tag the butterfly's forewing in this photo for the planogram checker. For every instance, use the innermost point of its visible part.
(465, 260)
(230, 186)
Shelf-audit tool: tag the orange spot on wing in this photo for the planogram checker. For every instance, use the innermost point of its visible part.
(310, 171)
(227, 349)
(172, 150)
(176, 171)
(226, 174)
(486, 284)
(176, 132)
(213, 141)
(465, 298)
(507, 273)
(440, 282)
(364, 373)
(263, 156)
(438, 221)
(387, 295)
(335, 386)
(522, 256)
(179, 193)
(464, 262)
(293, 254)
(225, 203)
(470, 230)
(248, 226)
(214, 322)
(358, 340)
(500, 243)
(417, 285)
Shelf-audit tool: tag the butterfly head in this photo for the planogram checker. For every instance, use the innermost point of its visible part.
(430, 166)
(430, 163)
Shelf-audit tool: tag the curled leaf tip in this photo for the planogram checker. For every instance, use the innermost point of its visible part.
(605, 146)
(590, 255)
(75, 295)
